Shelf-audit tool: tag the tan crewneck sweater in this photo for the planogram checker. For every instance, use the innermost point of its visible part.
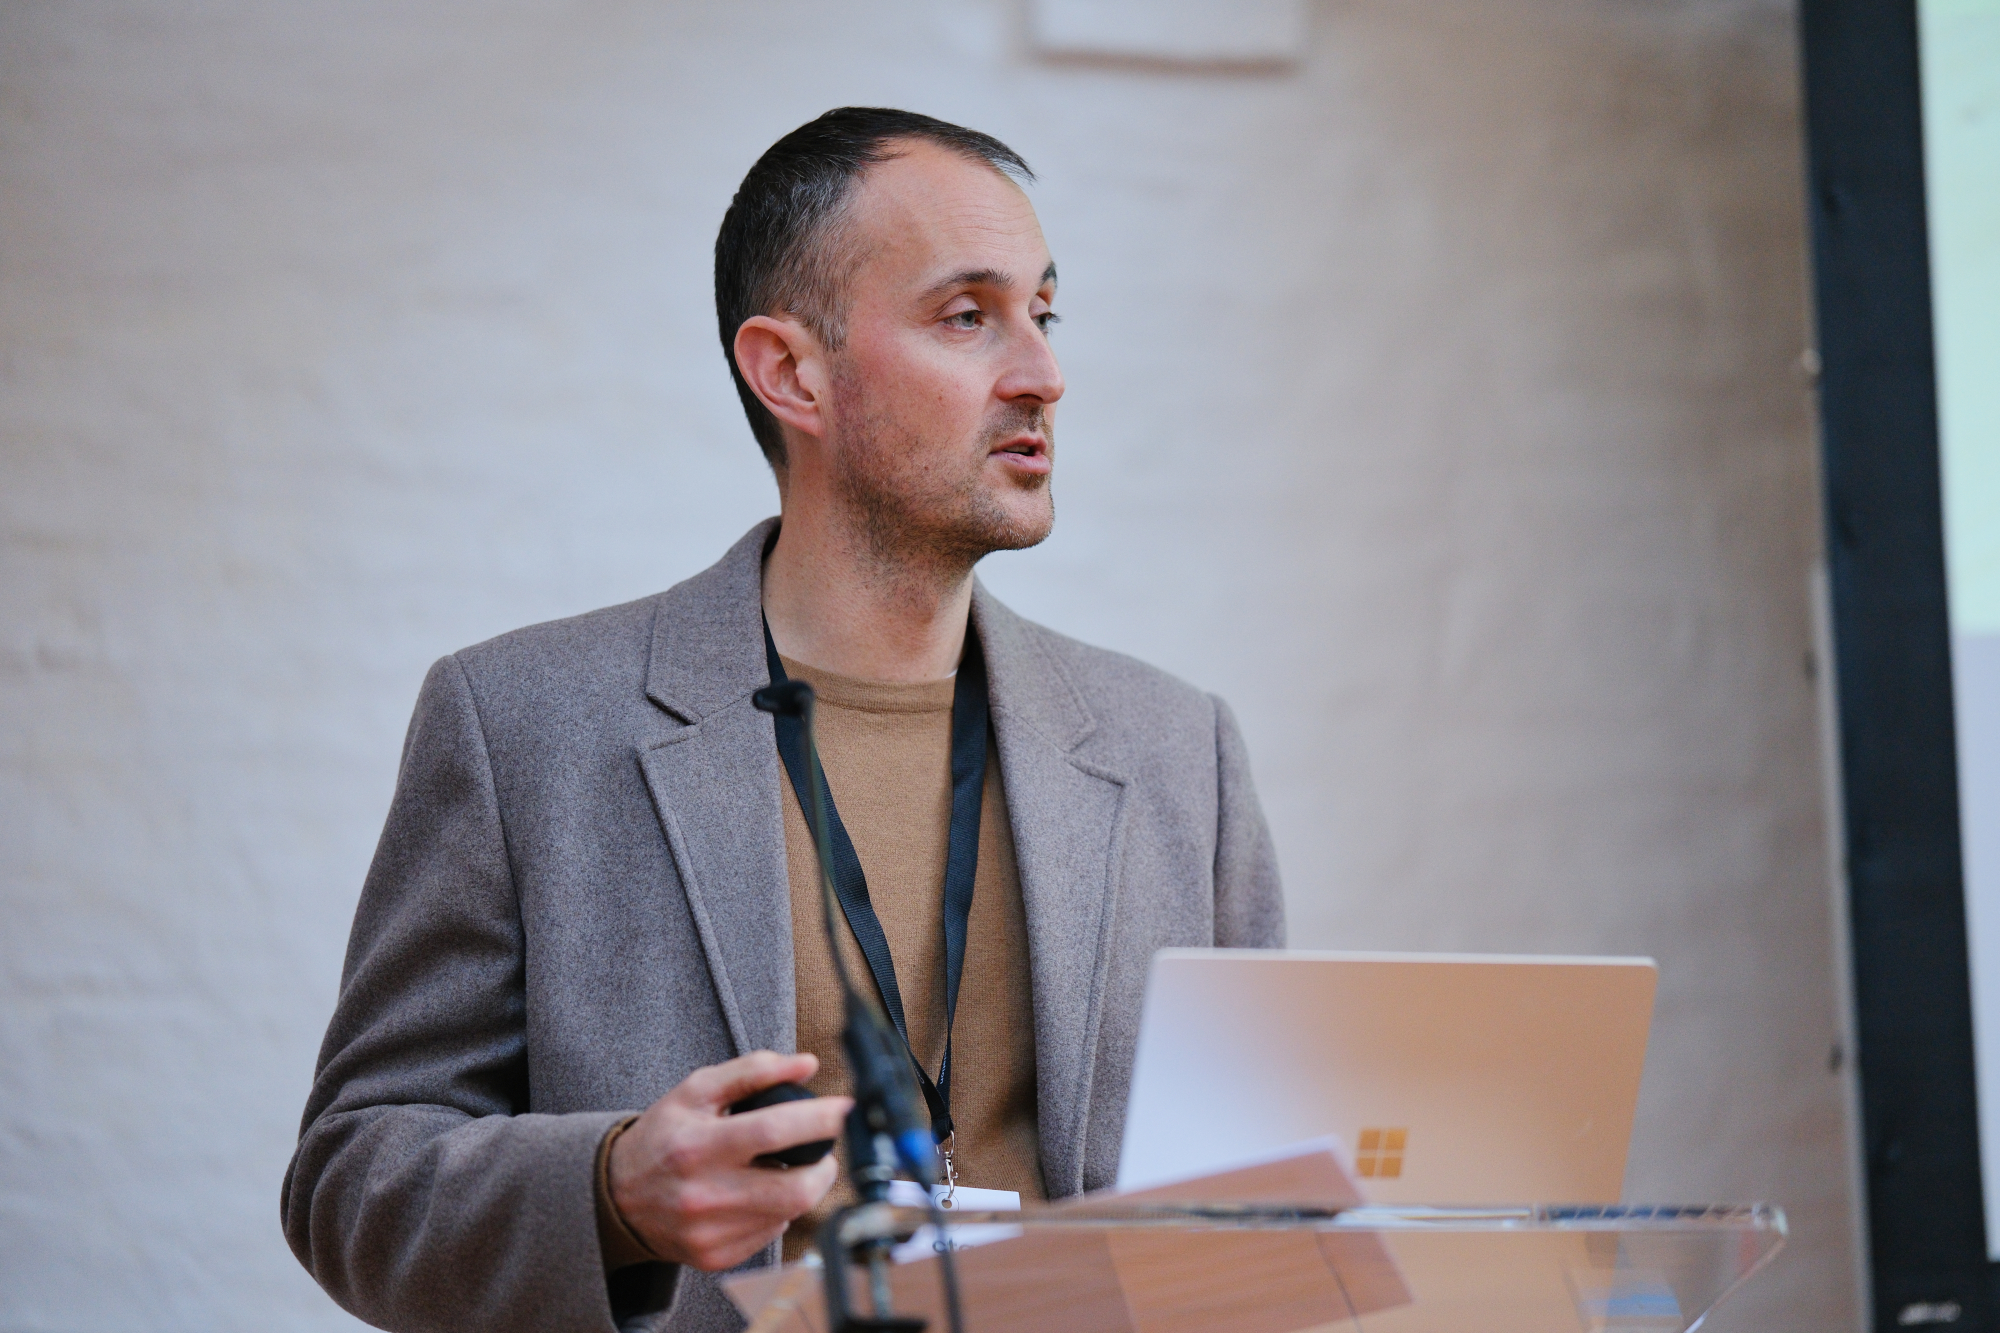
(887, 754)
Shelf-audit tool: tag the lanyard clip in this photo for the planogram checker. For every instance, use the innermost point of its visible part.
(945, 1151)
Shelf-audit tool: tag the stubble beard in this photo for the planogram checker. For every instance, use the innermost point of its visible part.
(922, 511)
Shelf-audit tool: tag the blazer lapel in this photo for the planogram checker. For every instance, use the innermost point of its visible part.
(714, 781)
(1066, 815)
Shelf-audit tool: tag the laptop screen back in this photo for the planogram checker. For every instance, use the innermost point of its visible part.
(1449, 1078)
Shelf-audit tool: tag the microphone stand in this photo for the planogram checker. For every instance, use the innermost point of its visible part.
(885, 1128)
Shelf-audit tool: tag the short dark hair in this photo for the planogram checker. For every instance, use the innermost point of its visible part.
(778, 249)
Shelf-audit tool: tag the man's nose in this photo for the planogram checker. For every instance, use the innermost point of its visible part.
(1032, 371)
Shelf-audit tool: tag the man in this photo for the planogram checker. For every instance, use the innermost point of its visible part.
(595, 894)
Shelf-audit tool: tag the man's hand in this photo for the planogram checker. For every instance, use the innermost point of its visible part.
(682, 1178)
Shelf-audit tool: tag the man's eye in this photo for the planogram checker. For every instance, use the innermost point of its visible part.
(1047, 320)
(964, 319)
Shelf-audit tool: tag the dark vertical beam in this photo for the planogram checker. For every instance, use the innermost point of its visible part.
(1885, 553)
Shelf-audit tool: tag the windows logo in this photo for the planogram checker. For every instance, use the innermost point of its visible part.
(1378, 1153)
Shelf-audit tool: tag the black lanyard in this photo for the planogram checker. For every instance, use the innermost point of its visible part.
(961, 862)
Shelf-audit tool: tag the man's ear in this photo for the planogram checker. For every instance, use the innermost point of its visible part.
(785, 366)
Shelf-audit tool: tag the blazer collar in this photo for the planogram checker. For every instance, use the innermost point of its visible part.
(1025, 683)
(708, 636)
(708, 650)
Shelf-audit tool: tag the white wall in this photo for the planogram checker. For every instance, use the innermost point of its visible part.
(1433, 401)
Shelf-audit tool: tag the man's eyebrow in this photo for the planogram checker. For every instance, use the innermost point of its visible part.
(983, 277)
(970, 277)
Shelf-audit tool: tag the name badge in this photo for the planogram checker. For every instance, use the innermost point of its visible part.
(909, 1194)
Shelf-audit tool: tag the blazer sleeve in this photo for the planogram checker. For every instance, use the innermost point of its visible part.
(422, 1195)
(1249, 902)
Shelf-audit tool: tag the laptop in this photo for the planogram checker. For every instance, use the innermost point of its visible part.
(1444, 1078)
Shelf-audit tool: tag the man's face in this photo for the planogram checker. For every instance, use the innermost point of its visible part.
(940, 424)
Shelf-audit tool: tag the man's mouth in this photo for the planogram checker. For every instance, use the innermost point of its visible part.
(1025, 453)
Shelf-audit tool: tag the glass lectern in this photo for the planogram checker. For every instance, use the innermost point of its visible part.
(1135, 1266)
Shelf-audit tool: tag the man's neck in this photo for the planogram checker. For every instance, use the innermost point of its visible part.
(835, 604)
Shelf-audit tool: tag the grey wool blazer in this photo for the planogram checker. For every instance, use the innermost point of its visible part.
(580, 896)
